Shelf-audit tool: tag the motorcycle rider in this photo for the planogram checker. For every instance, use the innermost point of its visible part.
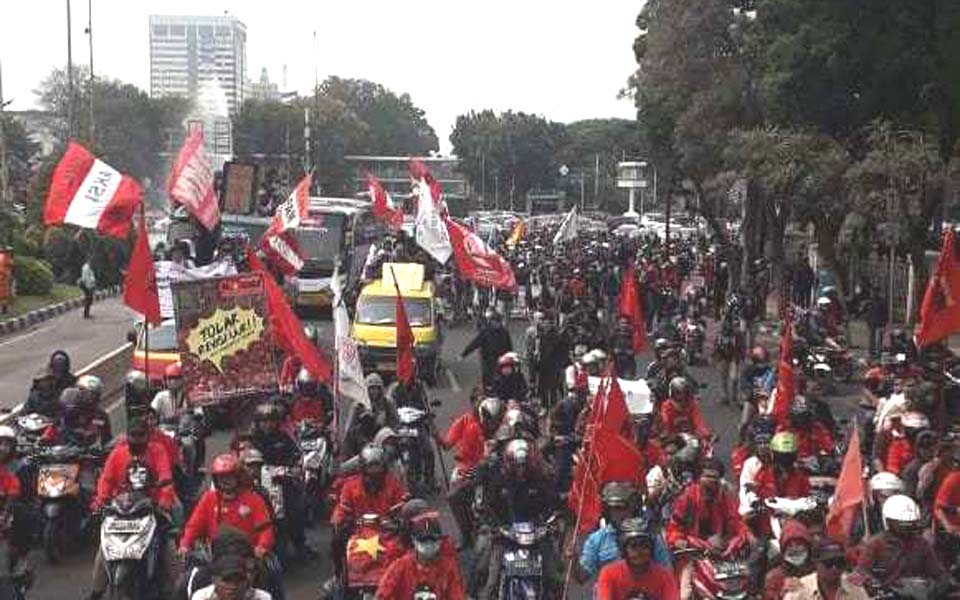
(563, 440)
(778, 478)
(308, 403)
(828, 580)
(620, 500)
(91, 393)
(493, 340)
(813, 438)
(758, 370)
(883, 485)
(170, 401)
(136, 392)
(636, 575)
(509, 383)
(11, 492)
(796, 546)
(46, 389)
(893, 449)
(705, 517)
(136, 448)
(231, 581)
(728, 350)
(901, 550)
(362, 424)
(75, 425)
(424, 567)
(681, 412)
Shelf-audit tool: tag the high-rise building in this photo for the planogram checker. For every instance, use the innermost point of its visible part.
(263, 89)
(186, 52)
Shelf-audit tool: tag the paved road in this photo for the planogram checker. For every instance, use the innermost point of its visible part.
(24, 354)
(71, 578)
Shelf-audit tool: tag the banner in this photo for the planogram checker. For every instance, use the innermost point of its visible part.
(636, 393)
(350, 380)
(191, 181)
(224, 336)
(168, 272)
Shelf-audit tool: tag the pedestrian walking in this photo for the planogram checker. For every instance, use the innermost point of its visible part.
(87, 284)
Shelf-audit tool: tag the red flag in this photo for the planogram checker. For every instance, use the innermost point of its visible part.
(191, 181)
(606, 457)
(278, 242)
(477, 262)
(940, 310)
(140, 282)
(849, 494)
(630, 305)
(609, 410)
(383, 207)
(405, 360)
(287, 328)
(89, 193)
(420, 174)
(786, 384)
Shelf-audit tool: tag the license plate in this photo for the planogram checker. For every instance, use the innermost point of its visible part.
(523, 568)
(408, 432)
(124, 526)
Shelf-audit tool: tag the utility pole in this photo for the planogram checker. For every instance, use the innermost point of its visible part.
(596, 179)
(4, 181)
(483, 179)
(90, 37)
(69, 75)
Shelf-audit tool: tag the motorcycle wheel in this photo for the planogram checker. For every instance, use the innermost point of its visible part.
(52, 548)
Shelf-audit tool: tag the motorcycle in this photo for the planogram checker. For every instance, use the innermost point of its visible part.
(66, 477)
(371, 549)
(130, 540)
(715, 578)
(16, 577)
(781, 509)
(411, 436)
(692, 333)
(31, 427)
(522, 568)
(317, 463)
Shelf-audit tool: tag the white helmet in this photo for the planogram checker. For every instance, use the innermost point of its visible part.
(901, 512)
(886, 482)
(823, 301)
(914, 420)
(589, 358)
(7, 432)
(599, 355)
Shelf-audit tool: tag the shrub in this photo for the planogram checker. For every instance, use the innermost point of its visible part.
(34, 277)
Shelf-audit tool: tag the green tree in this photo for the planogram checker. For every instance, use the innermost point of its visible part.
(602, 142)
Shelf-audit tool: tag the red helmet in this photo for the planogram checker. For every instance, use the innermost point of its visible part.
(173, 370)
(225, 464)
(509, 359)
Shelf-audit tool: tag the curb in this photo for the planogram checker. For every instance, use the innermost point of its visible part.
(15, 324)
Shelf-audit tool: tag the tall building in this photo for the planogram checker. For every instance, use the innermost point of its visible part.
(263, 89)
(186, 52)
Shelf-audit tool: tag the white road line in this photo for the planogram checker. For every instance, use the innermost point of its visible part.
(453, 381)
(25, 336)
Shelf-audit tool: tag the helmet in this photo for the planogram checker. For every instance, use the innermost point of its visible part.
(660, 344)
(7, 433)
(412, 508)
(618, 493)
(823, 301)
(137, 380)
(70, 401)
(589, 358)
(914, 420)
(517, 454)
(635, 529)
(679, 386)
(508, 359)
(759, 354)
(173, 370)
(426, 526)
(579, 350)
(901, 513)
(886, 482)
(306, 382)
(91, 384)
(310, 332)
(268, 411)
(374, 380)
(251, 456)
(225, 464)
(372, 456)
(784, 442)
(490, 410)
(599, 355)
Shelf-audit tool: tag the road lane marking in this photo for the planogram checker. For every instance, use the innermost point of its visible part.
(25, 336)
(453, 381)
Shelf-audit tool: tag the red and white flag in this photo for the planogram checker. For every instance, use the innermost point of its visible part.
(383, 206)
(191, 181)
(278, 241)
(87, 192)
(477, 262)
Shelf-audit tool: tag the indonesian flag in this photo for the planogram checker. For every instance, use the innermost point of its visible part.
(516, 234)
(278, 241)
(431, 231)
(477, 262)
(191, 181)
(287, 328)
(140, 283)
(405, 361)
(630, 305)
(786, 384)
(568, 227)
(350, 383)
(88, 193)
(849, 494)
(383, 207)
(940, 310)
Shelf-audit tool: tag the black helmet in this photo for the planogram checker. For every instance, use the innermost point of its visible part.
(632, 530)
(618, 493)
(306, 383)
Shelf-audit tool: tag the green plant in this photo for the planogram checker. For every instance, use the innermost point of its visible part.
(34, 277)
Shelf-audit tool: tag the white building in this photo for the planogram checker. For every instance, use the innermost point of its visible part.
(264, 89)
(186, 52)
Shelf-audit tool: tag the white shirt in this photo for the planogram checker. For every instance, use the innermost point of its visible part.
(165, 405)
(208, 593)
(748, 476)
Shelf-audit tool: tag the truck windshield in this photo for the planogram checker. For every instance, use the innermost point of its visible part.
(321, 237)
(163, 338)
(383, 311)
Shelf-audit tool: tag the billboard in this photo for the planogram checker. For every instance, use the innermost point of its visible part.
(223, 333)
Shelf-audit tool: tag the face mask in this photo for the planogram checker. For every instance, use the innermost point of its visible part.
(796, 556)
(427, 549)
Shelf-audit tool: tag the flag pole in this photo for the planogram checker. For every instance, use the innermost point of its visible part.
(146, 322)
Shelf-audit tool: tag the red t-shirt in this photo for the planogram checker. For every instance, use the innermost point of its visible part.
(355, 501)
(304, 409)
(948, 496)
(247, 512)
(406, 575)
(899, 453)
(466, 438)
(618, 582)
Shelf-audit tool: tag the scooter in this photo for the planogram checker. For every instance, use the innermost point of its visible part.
(317, 463)
(522, 568)
(372, 548)
(714, 578)
(411, 436)
(66, 477)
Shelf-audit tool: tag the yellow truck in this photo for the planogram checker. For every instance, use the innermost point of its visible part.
(375, 327)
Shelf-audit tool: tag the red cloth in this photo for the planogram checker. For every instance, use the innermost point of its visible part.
(683, 419)
(786, 383)
(899, 453)
(191, 181)
(140, 283)
(609, 409)
(691, 510)
(168, 444)
(630, 305)
(477, 262)
(9, 484)
(355, 501)
(812, 440)
(113, 478)
(407, 574)
(738, 456)
(306, 409)
(288, 372)
(248, 512)
(466, 438)
(406, 365)
(287, 329)
(383, 208)
(653, 454)
(940, 311)
(618, 582)
(769, 485)
(605, 456)
(948, 497)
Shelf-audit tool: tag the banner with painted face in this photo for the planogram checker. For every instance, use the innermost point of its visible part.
(224, 337)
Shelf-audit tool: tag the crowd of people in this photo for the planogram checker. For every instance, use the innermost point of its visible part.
(687, 524)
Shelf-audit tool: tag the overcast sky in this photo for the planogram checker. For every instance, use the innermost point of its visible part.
(563, 59)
